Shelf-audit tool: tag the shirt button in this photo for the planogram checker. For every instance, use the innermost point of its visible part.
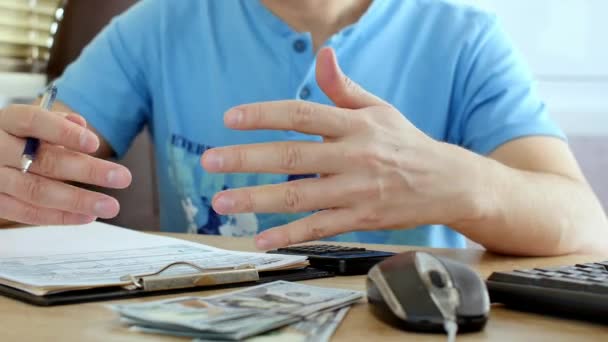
(305, 93)
(299, 45)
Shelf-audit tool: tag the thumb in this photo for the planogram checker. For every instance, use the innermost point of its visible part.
(344, 92)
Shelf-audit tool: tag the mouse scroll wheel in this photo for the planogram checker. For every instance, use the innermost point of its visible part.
(437, 279)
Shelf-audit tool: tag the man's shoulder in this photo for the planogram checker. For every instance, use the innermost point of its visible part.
(435, 27)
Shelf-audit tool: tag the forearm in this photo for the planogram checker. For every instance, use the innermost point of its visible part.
(533, 213)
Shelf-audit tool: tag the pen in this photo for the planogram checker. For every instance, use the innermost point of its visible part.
(32, 144)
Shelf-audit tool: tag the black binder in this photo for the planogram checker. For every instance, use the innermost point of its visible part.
(119, 292)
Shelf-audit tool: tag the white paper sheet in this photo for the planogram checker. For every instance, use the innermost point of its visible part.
(98, 254)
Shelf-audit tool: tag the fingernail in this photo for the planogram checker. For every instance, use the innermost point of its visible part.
(111, 177)
(105, 208)
(213, 161)
(224, 204)
(263, 243)
(118, 178)
(88, 141)
(77, 119)
(83, 139)
(233, 118)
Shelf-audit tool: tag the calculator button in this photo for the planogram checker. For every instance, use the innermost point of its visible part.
(535, 271)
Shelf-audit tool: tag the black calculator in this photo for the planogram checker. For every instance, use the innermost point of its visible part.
(338, 259)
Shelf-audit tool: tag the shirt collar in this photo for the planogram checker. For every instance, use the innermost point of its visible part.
(264, 16)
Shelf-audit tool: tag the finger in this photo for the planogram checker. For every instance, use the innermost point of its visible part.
(301, 157)
(77, 119)
(57, 163)
(15, 210)
(63, 164)
(343, 91)
(73, 117)
(43, 192)
(301, 116)
(299, 196)
(295, 196)
(30, 121)
(317, 226)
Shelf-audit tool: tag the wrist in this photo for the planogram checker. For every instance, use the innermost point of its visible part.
(480, 189)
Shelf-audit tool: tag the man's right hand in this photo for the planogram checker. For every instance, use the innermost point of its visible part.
(41, 196)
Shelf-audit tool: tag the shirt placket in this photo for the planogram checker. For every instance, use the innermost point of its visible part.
(303, 62)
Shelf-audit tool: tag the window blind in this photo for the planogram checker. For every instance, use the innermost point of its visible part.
(27, 30)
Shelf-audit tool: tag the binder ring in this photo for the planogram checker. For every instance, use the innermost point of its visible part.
(137, 279)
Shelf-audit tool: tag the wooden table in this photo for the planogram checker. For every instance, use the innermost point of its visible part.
(93, 322)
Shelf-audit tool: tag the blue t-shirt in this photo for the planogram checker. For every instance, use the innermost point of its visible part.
(177, 66)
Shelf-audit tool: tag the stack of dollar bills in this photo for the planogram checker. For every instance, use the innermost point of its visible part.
(278, 311)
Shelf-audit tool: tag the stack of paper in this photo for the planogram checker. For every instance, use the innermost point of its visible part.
(45, 260)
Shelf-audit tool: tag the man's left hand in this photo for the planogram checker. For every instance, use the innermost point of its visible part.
(378, 171)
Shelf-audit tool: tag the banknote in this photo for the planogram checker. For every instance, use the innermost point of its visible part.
(316, 328)
(240, 314)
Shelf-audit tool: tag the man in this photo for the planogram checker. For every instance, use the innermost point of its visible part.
(437, 125)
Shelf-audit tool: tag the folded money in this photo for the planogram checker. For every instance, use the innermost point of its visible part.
(318, 327)
(240, 314)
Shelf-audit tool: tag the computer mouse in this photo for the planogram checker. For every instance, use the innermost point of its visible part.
(420, 291)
